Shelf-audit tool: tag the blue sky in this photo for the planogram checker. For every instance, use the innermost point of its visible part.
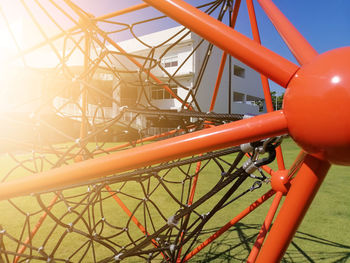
(325, 24)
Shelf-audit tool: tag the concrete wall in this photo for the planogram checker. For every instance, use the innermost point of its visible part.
(188, 74)
(249, 85)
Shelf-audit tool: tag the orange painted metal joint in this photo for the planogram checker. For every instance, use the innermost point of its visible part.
(302, 191)
(280, 181)
(311, 112)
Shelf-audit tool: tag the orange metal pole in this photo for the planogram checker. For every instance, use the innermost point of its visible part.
(35, 229)
(139, 65)
(267, 169)
(301, 193)
(296, 164)
(84, 94)
(126, 210)
(264, 80)
(298, 45)
(240, 216)
(216, 90)
(256, 37)
(74, 28)
(190, 201)
(223, 58)
(147, 139)
(265, 227)
(218, 81)
(235, 133)
(241, 47)
(130, 214)
(133, 60)
(195, 179)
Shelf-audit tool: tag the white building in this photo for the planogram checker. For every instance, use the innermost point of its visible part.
(239, 89)
(175, 57)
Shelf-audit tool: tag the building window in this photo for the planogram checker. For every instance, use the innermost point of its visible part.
(102, 93)
(238, 97)
(103, 76)
(252, 99)
(71, 89)
(256, 101)
(170, 62)
(238, 71)
(127, 116)
(160, 93)
(128, 95)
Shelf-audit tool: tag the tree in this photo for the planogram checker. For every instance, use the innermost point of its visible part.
(277, 101)
(260, 104)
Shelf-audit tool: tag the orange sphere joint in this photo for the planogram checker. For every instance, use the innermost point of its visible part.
(317, 106)
(280, 181)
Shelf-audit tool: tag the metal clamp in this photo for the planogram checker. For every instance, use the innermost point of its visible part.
(260, 147)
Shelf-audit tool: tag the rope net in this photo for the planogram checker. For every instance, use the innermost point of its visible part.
(72, 90)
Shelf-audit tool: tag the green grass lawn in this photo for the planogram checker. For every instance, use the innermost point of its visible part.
(324, 235)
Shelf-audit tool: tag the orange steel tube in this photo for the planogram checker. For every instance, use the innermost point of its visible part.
(298, 45)
(264, 80)
(126, 209)
(35, 229)
(195, 179)
(301, 193)
(279, 157)
(114, 44)
(265, 227)
(240, 216)
(296, 164)
(84, 94)
(256, 37)
(150, 138)
(235, 133)
(74, 28)
(129, 213)
(190, 200)
(218, 81)
(139, 65)
(223, 58)
(267, 169)
(241, 47)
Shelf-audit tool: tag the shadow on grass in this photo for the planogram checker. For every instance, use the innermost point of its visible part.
(235, 244)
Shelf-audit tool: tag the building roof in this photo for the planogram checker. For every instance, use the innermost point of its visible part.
(155, 39)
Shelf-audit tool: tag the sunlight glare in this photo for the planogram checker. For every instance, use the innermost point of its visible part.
(8, 49)
(335, 79)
